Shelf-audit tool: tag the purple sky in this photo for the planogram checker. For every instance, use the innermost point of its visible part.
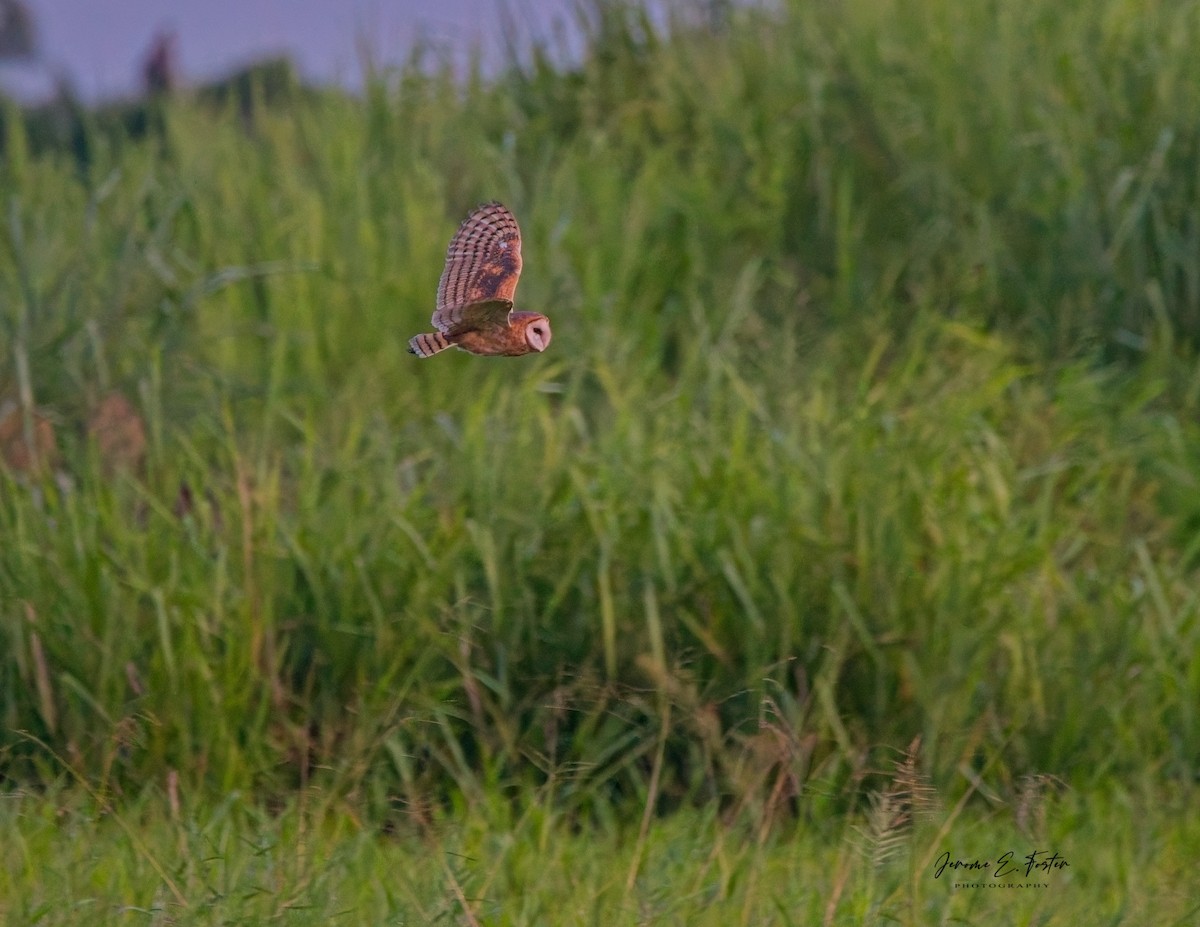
(100, 43)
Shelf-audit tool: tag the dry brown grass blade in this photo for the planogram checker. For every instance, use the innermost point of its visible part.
(651, 798)
(457, 888)
(41, 673)
(840, 877)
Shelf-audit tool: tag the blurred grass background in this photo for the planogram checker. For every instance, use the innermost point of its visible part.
(871, 416)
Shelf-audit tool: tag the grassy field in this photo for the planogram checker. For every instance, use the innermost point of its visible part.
(313, 863)
(852, 516)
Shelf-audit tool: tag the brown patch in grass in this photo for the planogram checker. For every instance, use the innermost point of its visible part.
(26, 446)
(119, 433)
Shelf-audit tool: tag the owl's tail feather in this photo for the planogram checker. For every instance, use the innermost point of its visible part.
(428, 345)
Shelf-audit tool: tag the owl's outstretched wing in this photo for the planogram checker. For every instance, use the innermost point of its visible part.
(483, 264)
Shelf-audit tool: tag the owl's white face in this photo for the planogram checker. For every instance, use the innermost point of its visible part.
(537, 333)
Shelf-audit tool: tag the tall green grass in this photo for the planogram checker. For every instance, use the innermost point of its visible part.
(870, 415)
(68, 862)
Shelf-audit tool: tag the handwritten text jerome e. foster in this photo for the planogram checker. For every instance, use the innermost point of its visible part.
(1006, 865)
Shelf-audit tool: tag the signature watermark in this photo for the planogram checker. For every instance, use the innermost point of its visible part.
(1013, 869)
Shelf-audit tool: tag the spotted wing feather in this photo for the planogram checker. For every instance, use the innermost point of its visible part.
(483, 264)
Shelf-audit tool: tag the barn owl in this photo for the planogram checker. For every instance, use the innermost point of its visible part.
(475, 296)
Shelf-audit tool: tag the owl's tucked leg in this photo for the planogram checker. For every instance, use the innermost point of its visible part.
(427, 345)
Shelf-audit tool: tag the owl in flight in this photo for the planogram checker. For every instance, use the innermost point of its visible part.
(475, 296)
